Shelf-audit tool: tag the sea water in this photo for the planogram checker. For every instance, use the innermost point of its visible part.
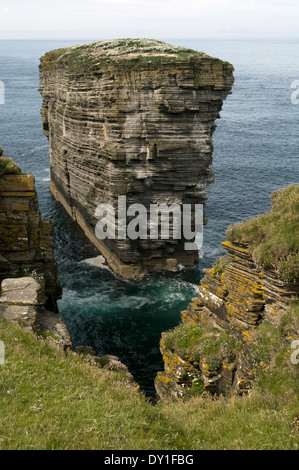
(255, 152)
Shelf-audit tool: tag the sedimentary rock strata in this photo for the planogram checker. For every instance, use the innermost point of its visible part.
(28, 272)
(235, 297)
(26, 247)
(131, 118)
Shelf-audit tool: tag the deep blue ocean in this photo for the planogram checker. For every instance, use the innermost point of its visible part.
(255, 151)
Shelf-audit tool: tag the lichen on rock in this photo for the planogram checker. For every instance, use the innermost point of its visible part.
(242, 315)
(26, 247)
(28, 272)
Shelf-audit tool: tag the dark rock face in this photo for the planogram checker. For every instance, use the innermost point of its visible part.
(135, 119)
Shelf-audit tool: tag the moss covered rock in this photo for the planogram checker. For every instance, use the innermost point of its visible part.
(246, 311)
(8, 166)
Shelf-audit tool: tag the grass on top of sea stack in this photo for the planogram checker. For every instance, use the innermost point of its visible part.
(135, 53)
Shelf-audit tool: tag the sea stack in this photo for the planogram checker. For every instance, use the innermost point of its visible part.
(133, 118)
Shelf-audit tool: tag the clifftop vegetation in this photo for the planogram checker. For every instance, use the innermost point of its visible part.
(272, 238)
(8, 166)
(55, 399)
(122, 47)
(86, 57)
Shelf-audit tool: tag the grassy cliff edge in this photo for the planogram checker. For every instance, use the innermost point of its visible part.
(272, 238)
(52, 398)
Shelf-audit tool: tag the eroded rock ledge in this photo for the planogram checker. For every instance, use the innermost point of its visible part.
(133, 118)
(28, 272)
(241, 315)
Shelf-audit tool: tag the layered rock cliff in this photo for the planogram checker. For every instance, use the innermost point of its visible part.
(242, 314)
(131, 118)
(26, 249)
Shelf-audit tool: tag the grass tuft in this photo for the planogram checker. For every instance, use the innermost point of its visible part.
(8, 166)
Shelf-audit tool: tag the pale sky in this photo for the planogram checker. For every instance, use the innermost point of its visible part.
(186, 19)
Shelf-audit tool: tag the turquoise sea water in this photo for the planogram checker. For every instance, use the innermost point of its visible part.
(255, 152)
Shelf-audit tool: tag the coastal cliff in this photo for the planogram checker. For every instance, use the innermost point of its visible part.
(246, 309)
(131, 118)
(28, 272)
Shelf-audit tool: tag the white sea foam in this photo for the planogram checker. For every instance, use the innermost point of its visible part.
(98, 261)
(46, 178)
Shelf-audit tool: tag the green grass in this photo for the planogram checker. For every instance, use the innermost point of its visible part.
(8, 166)
(266, 419)
(183, 337)
(278, 376)
(256, 422)
(55, 399)
(121, 47)
(267, 339)
(220, 265)
(51, 399)
(273, 238)
(134, 54)
(289, 321)
(197, 342)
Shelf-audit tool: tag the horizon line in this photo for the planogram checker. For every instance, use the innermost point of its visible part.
(270, 38)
